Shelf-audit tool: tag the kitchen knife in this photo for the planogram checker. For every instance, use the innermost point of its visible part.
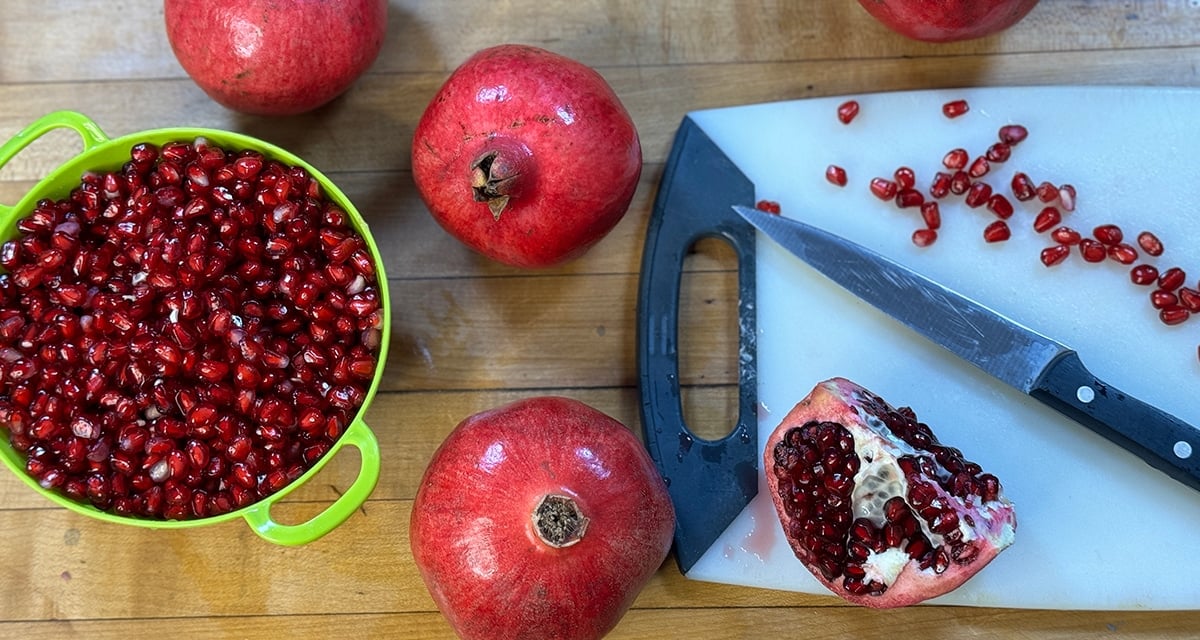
(710, 481)
(1024, 359)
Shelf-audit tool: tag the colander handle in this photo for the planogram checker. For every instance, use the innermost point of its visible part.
(81, 124)
(358, 435)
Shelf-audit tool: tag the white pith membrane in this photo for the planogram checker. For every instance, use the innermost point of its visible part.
(879, 478)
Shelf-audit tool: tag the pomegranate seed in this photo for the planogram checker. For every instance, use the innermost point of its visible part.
(960, 182)
(1000, 206)
(1066, 235)
(1172, 279)
(1046, 192)
(1189, 299)
(905, 178)
(924, 237)
(1046, 219)
(1055, 254)
(1160, 299)
(847, 111)
(1174, 315)
(1092, 250)
(998, 152)
(1123, 253)
(1150, 243)
(940, 186)
(979, 167)
(906, 198)
(883, 188)
(1066, 197)
(1012, 134)
(978, 194)
(1022, 187)
(997, 231)
(835, 175)
(955, 108)
(1143, 274)
(956, 159)
(932, 215)
(1108, 234)
(768, 206)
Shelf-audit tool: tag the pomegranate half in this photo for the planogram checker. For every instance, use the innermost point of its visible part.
(874, 506)
(543, 518)
(526, 156)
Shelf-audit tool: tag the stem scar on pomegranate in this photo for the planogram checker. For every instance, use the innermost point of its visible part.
(543, 518)
(874, 506)
(186, 335)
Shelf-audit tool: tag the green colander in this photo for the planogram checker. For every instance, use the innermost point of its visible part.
(100, 153)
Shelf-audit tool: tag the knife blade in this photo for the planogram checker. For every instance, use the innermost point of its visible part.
(1034, 364)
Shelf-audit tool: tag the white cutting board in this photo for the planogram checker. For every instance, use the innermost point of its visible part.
(1097, 528)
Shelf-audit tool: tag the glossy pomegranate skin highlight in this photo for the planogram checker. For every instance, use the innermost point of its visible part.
(275, 58)
(475, 543)
(526, 156)
(948, 20)
(874, 506)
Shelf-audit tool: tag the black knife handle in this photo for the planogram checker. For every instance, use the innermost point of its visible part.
(1160, 439)
(710, 481)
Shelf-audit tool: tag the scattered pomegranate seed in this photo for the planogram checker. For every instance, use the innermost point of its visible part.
(956, 159)
(1189, 299)
(769, 206)
(1022, 187)
(997, 231)
(1066, 235)
(1160, 299)
(1172, 279)
(955, 108)
(978, 194)
(1150, 243)
(905, 178)
(1012, 134)
(906, 198)
(960, 182)
(883, 188)
(1047, 192)
(1108, 234)
(1174, 315)
(998, 152)
(924, 237)
(847, 111)
(932, 215)
(835, 175)
(1055, 254)
(979, 167)
(1046, 219)
(1000, 206)
(1066, 197)
(1092, 250)
(1143, 274)
(1123, 253)
(939, 188)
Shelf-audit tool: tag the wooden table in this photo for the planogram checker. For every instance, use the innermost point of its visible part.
(469, 334)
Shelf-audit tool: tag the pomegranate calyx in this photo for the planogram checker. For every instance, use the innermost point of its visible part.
(496, 176)
(558, 521)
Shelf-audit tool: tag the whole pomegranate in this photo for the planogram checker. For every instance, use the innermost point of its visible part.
(948, 20)
(526, 156)
(543, 518)
(275, 58)
(879, 511)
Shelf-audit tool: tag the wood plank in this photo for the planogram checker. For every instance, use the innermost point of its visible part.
(45, 43)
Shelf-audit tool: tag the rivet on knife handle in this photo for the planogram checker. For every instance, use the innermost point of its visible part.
(1162, 440)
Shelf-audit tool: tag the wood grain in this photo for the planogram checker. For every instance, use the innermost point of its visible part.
(468, 334)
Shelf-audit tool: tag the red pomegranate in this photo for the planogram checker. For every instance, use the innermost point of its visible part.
(878, 510)
(948, 20)
(543, 518)
(526, 156)
(275, 58)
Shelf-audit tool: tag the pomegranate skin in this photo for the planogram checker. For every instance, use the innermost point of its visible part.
(992, 523)
(564, 156)
(275, 58)
(475, 543)
(948, 20)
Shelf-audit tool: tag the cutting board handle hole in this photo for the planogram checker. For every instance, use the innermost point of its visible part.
(708, 338)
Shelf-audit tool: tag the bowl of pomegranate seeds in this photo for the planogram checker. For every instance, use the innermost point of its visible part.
(192, 323)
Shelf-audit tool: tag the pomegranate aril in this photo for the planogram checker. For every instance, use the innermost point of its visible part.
(997, 231)
(905, 178)
(835, 175)
(1092, 250)
(1189, 299)
(1066, 235)
(1022, 187)
(847, 111)
(1066, 197)
(1150, 243)
(956, 159)
(906, 198)
(1000, 206)
(883, 188)
(1143, 274)
(768, 206)
(1172, 279)
(932, 215)
(998, 152)
(1174, 315)
(1108, 234)
(955, 108)
(1046, 192)
(978, 194)
(1055, 254)
(940, 187)
(979, 167)
(1160, 299)
(1046, 219)
(1013, 134)
(924, 237)
(1123, 253)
